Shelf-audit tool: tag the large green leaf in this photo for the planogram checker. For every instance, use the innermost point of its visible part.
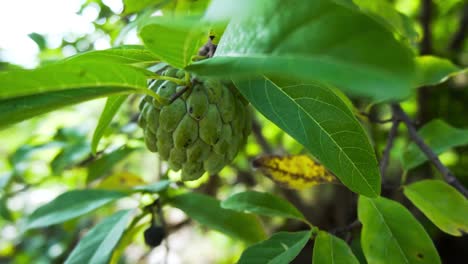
(126, 54)
(280, 248)
(332, 250)
(383, 12)
(156, 187)
(68, 76)
(113, 104)
(390, 234)
(17, 109)
(98, 244)
(174, 41)
(207, 211)
(313, 41)
(442, 204)
(104, 164)
(71, 205)
(321, 121)
(27, 93)
(440, 137)
(433, 70)
(262, 204)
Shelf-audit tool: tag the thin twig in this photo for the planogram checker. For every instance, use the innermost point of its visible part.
(448, 176)
(386, 154)
(178, 94)
(349, 227)
(374, 120)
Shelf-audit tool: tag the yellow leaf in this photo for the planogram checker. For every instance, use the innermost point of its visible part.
(295, 172)
(120, 181)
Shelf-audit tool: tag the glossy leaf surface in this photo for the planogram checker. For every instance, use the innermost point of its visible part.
(321, 121)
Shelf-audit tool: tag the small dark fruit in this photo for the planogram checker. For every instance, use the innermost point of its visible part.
(154, 235)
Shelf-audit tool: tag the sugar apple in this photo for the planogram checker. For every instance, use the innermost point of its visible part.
(201, 131)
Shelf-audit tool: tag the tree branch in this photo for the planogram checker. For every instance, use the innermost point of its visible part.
(426, 21)
(375, 120)
(391, 138)
(448, 176)
(459, 38)
(347, 228)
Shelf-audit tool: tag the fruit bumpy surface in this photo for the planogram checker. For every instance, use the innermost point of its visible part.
(201, 131)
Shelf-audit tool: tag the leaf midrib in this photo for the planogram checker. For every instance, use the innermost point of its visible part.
(382, 218)
(61, 88)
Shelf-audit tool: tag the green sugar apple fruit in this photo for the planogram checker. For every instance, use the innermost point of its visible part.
(201, 131)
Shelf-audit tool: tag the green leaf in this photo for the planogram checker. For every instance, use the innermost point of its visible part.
(98, 244)
(391, 234)
(29, 93)
(134, 6)
(68, 76)
(70, 205)
(21, 108)
(323, 123)
(384, 13)
(225, 10)
(433, 70)
(39, 40)
(5, 212)
(262, 204)
(280, 248)
(6, 179)
(445, 6)
(132, 233)
(313, 41)
(74, 148)
(439, 136)
(442, 204)
(70, 155)
(113, 104)
(6, 66)
(208, 211)
(21, 158)
(174, 41)
(154, 187)
(126, 54)
(330, 249)
(185, 8)
(106, 162)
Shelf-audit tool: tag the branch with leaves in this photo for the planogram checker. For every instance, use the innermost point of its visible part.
(413, 133)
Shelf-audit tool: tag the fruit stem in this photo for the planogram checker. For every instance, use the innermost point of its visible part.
(167, 78)
(198, 57)
(187, 79)
(156, 96)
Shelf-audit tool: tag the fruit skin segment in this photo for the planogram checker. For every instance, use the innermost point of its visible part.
(201, 131)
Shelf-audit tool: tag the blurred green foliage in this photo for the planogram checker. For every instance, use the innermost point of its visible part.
(47, 155)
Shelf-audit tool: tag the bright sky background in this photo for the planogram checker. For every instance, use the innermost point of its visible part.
(52, 18)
